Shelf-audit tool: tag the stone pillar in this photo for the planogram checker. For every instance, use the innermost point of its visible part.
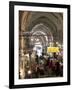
(23, 22)
(22, 57)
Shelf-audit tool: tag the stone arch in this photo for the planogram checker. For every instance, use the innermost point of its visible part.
(41, 29)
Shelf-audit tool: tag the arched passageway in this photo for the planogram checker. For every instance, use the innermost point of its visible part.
(37, 31)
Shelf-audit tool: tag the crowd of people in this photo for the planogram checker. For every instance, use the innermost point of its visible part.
(45, 66)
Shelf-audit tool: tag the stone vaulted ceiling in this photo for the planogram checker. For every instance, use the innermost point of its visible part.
(52, 20)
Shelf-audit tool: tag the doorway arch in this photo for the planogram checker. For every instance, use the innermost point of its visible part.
(40, 38)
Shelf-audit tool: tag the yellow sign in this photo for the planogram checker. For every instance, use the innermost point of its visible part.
(52, 49)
